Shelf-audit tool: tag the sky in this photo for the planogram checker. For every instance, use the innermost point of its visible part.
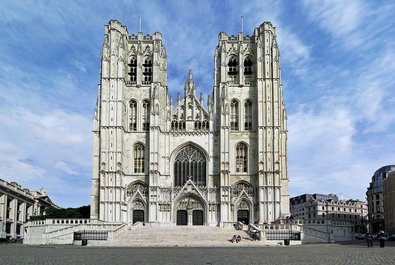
(337, 66)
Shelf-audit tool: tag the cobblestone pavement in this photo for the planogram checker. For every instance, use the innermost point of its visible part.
(347, 253)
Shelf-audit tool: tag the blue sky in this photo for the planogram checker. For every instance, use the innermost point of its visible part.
(337, 60)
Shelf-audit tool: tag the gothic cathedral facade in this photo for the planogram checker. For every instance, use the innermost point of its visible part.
(186, 162)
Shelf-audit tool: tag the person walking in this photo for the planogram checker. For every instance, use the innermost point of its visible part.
(382, 237)
(369, 240)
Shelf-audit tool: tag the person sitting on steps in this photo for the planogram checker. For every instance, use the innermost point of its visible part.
(233, 238)
(238, 239)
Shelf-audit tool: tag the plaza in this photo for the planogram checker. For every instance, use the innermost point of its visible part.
(353, 252)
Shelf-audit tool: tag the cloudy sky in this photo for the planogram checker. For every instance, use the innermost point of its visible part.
(338, 74)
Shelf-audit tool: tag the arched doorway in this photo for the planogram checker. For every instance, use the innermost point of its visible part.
(138, 216)
(243, 216)
(190, 211)
(197, 217)
(182, 217)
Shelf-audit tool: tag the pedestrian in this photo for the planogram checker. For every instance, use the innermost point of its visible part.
(369, 240)
(233, 238)
(382, 237)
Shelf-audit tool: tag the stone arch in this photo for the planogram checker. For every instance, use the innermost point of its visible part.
(197, 169)
(189, 203)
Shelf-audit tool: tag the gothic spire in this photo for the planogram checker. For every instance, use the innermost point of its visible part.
(190, 86)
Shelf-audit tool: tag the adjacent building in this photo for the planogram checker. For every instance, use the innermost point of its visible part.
(375, 199)
(389, 202)
(316, 208)
(189, 162)
(17, 204)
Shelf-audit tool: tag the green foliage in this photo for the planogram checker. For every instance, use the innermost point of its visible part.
(52, 212)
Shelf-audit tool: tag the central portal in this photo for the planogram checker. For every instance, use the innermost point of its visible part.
(190, 211)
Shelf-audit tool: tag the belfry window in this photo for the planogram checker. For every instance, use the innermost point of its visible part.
(190, 163)
(234, 115)
(133, 115)
(138, 158)
(133, 69)
(248, 115)
(232, 65)
(241, 158)
(247, 66)
(146, 114)
(147, 70)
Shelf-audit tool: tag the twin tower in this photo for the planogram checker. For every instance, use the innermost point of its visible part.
(186, 162)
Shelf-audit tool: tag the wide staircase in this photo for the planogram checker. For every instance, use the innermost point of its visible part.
(181, 236)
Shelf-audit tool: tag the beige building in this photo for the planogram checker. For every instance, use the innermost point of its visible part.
(315, 208)
(189, 162)
(389, 202)
(17, 204)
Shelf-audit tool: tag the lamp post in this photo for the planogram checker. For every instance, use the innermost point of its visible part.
(327, 221)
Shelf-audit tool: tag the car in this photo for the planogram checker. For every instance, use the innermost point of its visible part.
(391, 237)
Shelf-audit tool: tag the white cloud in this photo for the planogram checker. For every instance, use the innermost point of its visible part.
(65, 167)
(342, 19)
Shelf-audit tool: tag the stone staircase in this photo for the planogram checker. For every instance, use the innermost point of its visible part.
(181, 236)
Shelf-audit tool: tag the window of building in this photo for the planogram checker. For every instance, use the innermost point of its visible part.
(248, 115)
(234, 115)
(247, 66)
(146, 114)
(147, 70)
(133, 115)
(139, 158)
(232, 66)
(133, 69)
(241, 158)
(190, 163)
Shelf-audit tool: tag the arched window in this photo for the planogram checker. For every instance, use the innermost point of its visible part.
(234, 115)
(138, 158)
(133, 69)
(190, 163)
(247, 66)
(241, 158)
(133, 115)
(248, 115)
(232, 66)
(147, 70)
(146, 114)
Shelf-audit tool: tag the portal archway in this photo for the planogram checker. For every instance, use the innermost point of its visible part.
(190, 211)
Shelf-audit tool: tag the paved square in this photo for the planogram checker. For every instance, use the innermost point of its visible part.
(354, 252)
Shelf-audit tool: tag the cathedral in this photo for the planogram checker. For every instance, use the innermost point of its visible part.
(185, 161)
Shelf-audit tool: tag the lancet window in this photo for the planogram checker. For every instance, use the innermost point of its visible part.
(232, 66)
(190, 163)
(241, 158)
(147, 70)
(248, 115)
(146, 114)
(133, 115)
(133, 69)
(247, 66)
(139, 158)
(234, 115)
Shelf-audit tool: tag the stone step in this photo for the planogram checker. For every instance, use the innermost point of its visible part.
(183, 237)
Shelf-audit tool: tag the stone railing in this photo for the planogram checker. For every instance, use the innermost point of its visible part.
(254, 232)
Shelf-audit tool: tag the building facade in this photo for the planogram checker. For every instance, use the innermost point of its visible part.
(17, 205)
(187, 162)
(316, 208)
(375, 199)
(389, 202)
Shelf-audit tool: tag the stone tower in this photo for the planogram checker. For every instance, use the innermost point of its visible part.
(250, 109)
(185, 164)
